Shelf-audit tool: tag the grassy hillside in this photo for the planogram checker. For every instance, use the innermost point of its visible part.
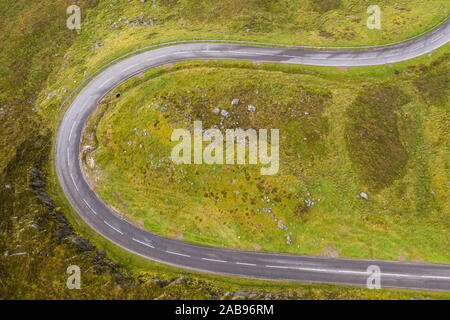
(337, 139)
(41, 62)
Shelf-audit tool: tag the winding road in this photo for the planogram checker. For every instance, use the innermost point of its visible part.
(261, 265)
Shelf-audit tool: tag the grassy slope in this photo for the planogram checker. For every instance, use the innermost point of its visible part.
(372, 146)
(35, 54)
(108, 34)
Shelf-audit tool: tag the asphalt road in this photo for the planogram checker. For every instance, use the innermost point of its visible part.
(260, 265)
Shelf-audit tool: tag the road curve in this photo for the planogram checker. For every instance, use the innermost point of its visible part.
(262, 265)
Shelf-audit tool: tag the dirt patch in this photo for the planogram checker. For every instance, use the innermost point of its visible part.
(372, 135)
(330, 251)
(179, 236)
(327, 5)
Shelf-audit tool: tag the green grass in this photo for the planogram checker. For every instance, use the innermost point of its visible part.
(41, 62)
(206, 286)
(286, 22)
(372, 136)
(360, 136)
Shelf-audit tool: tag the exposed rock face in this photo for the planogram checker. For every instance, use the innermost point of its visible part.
(101, 264)
(65, 232)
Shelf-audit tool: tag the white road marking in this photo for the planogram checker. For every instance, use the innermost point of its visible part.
(104, 83)
(437, 37)
(73, 180)
(354, 272)
(277, 267)
(342, 58)
(131, 67)
(90, 207)
(214, 260)
(145, 244)
(414, 276)
(115, 229)
(71, 131)
(262, 54)
(436, 277)
(182, 52)
(213, 51)
(317, 270)
(246, 264)
(178, 254)
(250, 53)
(398, 275)
(68, 157)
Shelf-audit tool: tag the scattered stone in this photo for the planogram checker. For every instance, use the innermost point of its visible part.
(216, 111)
(160, 283)
(101, 253)
(18, 254)
(225, 113)
(226, 296)
(35, 226)
(364, 195)
(251, 108)
(235, 102)
(177, 281)
(119, 277)
(288, 240)
(81, 243)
